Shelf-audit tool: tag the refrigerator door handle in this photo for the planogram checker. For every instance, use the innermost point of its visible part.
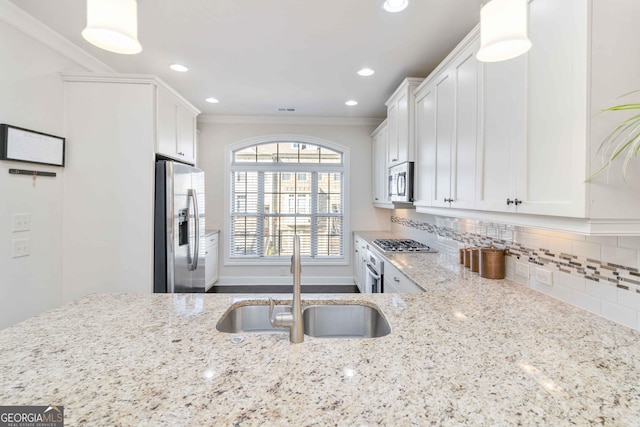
(196, 215)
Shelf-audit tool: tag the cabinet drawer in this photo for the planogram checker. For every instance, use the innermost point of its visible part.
(211, 239)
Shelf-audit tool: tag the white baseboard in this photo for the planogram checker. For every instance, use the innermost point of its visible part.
(284, 280)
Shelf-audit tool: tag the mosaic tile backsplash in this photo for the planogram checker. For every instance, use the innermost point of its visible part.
(484, 234)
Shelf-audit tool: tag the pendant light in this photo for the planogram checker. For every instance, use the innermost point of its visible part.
(503, 30)
(113, 25)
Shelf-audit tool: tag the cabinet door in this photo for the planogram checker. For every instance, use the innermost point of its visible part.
(426, 147)
(556, 111)
(167, 124)
(503, 116)
(186, 123)
(211, 261)
(392, 133)
(380, 168)
(463, 170)
(403, 128)
(445, 104)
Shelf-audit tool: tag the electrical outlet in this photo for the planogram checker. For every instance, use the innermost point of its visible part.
(21, 222)
(544, 276)
(20, 247)
(522, 269)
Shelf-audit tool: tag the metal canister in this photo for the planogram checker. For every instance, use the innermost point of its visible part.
(492, 263)
(467, 257)
(475, 259)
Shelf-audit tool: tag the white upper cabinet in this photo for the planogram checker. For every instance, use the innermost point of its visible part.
(176, 127)
(400, 122)
(380, 197)
(424, 171)
(447, 131)
(539, 125)
(501, 148)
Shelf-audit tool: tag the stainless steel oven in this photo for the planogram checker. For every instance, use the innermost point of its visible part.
(375, 271)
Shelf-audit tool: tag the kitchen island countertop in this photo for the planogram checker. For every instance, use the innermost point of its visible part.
(467, 351)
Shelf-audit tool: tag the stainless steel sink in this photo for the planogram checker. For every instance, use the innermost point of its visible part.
(344, 321)
(251, 318)
(320, 321)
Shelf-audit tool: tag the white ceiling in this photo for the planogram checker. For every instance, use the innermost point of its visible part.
(258, 55)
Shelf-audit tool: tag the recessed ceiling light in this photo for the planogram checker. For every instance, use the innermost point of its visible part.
(395, 5)
(179, 67)
(212, 100)
(351, 103)
(366, 72)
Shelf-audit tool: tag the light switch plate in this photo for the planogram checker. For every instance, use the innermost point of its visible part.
(20, 247)
(21, 222)
(522, 269)
(543, 276)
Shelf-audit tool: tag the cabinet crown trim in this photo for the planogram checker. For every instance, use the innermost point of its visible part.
(128, 78)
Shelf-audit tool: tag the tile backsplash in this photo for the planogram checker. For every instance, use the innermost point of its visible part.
(599, 274)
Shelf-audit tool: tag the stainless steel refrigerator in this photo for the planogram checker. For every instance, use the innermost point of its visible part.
(179, 228)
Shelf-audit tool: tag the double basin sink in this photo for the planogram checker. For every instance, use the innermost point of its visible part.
(320, 321)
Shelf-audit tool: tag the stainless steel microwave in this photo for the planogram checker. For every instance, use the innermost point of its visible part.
(401, 183)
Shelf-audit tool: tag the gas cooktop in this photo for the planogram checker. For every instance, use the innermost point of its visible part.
(402, 245)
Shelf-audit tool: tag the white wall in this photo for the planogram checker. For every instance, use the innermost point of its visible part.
(32, 97)
(213, 138)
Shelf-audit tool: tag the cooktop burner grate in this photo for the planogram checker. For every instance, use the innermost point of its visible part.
(402, 245)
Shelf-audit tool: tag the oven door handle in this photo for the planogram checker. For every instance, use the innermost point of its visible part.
(373, 273)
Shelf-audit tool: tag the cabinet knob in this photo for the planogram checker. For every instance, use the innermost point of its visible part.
(394, 160)
(448, 200)
(181, 153)
(517, 202)
(509, 202)
(395, 279)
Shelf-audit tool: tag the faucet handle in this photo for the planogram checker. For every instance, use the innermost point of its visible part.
(272, 320)
(271, 306)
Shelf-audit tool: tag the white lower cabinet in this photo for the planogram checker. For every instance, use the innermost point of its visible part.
(396, 282)
(359, 262)
(211, 260)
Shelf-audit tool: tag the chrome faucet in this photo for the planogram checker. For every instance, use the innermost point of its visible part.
(293, 319)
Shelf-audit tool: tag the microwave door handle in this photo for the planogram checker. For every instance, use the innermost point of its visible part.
(196, 216)
(401, 184)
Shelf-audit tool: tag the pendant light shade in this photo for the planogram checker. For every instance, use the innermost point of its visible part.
(503, 30)
(113, 25)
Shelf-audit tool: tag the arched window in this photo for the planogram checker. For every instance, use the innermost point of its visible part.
(284, 187)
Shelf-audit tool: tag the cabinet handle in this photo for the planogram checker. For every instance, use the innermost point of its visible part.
(181, 153)
(448, 200)
(509, 202)
(394, 160)
(395, 279)
(517, 202)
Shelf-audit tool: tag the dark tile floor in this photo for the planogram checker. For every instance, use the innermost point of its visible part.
(283, 289)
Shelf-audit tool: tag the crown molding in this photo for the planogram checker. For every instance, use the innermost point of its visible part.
(30, 26)
(291, 120)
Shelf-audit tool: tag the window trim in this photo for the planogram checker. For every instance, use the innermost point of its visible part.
(344, 167)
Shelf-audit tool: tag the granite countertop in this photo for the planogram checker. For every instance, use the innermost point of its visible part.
(467, 351)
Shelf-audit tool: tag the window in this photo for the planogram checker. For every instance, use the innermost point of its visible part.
(280, 189)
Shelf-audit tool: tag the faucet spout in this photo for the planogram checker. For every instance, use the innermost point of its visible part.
(292, 320)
